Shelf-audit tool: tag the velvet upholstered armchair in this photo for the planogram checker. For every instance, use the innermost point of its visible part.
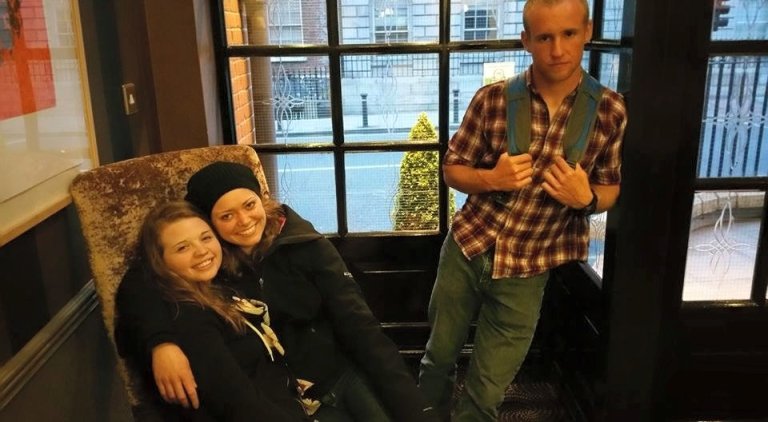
(112, 201)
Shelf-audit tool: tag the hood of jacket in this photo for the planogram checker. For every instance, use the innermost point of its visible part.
(295, 230)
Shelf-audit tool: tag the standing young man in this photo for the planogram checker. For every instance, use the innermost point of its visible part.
(526, 211)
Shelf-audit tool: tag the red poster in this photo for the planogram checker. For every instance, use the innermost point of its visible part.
(26, 75)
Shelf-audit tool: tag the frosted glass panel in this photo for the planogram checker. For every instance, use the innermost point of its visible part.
(722, 245)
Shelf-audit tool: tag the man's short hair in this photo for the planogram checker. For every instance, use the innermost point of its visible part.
(531, 3)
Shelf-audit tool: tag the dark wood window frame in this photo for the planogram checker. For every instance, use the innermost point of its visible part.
(334, 50)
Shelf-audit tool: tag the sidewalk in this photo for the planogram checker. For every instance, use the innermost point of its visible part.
(356, 124)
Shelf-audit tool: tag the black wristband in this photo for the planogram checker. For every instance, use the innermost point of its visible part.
(591, 207)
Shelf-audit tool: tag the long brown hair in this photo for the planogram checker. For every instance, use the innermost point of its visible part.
(235, 258)
(173, 287)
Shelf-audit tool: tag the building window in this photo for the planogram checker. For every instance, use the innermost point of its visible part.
(480, 23)
(285, 22)
(390, 23)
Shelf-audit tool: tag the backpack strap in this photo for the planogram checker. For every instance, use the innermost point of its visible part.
(578, 129)
(518, 115)
(581, 122)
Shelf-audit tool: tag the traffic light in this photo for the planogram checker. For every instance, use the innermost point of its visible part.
(719, 20)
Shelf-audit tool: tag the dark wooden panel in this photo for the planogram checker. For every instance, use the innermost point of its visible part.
(722, 360)
(22, 292)
(395, 295)
(42, 270)
(6, 349)
(77, 382)
(724, 329)
(53, 260)
(396, 273)
(721, 386)
(573, 335)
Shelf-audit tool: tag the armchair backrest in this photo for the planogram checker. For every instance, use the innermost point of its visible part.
(112, 201)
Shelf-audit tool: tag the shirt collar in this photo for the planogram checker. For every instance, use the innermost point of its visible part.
(532, 87)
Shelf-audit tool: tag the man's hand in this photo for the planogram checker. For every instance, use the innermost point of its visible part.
(512, 172)
(173, 375)
(569, 186)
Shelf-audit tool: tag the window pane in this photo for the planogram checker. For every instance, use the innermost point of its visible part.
(740, 20)
(388, 21)
(596, 256)
(392, 191)
(281, 99)
(612, 19)
(609, 69)
(459, 199)
(275, 22)
(306, 183)
(383, 95)
(371, 188)
(733, 136)
(722, 245)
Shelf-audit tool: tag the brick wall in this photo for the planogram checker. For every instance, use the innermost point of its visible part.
(240, 76)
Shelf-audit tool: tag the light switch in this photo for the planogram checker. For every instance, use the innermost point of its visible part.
(129, 99)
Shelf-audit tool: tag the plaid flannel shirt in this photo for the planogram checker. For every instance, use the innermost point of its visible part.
(531, 232)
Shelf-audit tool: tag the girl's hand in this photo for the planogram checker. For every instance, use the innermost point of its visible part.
(173, 375)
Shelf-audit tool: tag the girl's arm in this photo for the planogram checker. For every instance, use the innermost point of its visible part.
(145, 332)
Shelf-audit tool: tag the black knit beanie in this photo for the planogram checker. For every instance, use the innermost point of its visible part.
(211, 182)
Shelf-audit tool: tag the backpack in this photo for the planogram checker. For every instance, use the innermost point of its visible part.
(578, 129)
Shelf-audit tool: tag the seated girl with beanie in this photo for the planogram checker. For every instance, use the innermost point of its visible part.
(237, 359)
(331, 338)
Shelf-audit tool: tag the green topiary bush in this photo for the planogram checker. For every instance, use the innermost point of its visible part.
(416, 202)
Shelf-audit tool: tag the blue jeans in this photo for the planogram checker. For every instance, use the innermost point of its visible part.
(351, 399)
(507, 312)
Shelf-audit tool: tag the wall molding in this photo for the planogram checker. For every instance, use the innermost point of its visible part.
(23, 366)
